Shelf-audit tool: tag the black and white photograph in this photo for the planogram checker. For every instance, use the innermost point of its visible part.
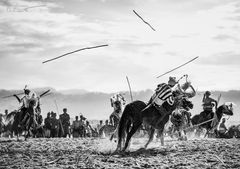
(119, 84)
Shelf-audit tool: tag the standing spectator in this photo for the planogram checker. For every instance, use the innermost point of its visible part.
(99, 126)
(47, 124)
(76, 127)
(88, 129)
(54, 125)
(106, 123)
(82, 130)
(65, 120)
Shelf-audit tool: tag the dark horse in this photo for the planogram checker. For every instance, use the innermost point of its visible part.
(135, 114)
(202, 118)
(26, 113)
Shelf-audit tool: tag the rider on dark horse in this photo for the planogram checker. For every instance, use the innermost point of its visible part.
(163, 95)
(29, 96)
(208, 104)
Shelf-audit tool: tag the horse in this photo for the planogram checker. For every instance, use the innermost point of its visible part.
(137, 112)
(26, 115)
(180, 119)
(206, 121)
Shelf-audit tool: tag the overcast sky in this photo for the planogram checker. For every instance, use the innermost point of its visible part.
(185, 29)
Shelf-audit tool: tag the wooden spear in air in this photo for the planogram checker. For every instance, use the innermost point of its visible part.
(73, 52)
(12, 95)
(144, 20)
(177, 67)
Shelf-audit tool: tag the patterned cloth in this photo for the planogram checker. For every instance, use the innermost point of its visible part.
(163, 93)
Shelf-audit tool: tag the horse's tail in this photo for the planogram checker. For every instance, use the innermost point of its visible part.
(123, 123)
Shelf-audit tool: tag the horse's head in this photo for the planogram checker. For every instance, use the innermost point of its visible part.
(226, 109)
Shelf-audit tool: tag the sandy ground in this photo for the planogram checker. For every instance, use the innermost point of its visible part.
(97, 153)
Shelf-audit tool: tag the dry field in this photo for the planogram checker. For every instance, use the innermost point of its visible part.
(97, 153)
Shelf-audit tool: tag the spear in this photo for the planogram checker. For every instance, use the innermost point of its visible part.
(178, 67)
(144, 20)
(12, 95)
(74, 52)
(41, 95)
(130, 90)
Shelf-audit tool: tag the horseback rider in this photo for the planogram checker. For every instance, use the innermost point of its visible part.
(25, 100)
(163, 95)
(117, 101)
(208, 104)
(184, 91)
(117, 97)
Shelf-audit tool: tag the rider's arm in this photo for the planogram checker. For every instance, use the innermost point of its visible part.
(204, 96)
(111, 101)
(179, 88)
(194, 92)
(19, 100)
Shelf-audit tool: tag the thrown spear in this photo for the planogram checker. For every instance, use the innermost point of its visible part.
(44, 93)
(74, 52)
(178, 67)
(12, 95)
(144, 20)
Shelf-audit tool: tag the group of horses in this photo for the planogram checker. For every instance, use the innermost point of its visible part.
(135, 115)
